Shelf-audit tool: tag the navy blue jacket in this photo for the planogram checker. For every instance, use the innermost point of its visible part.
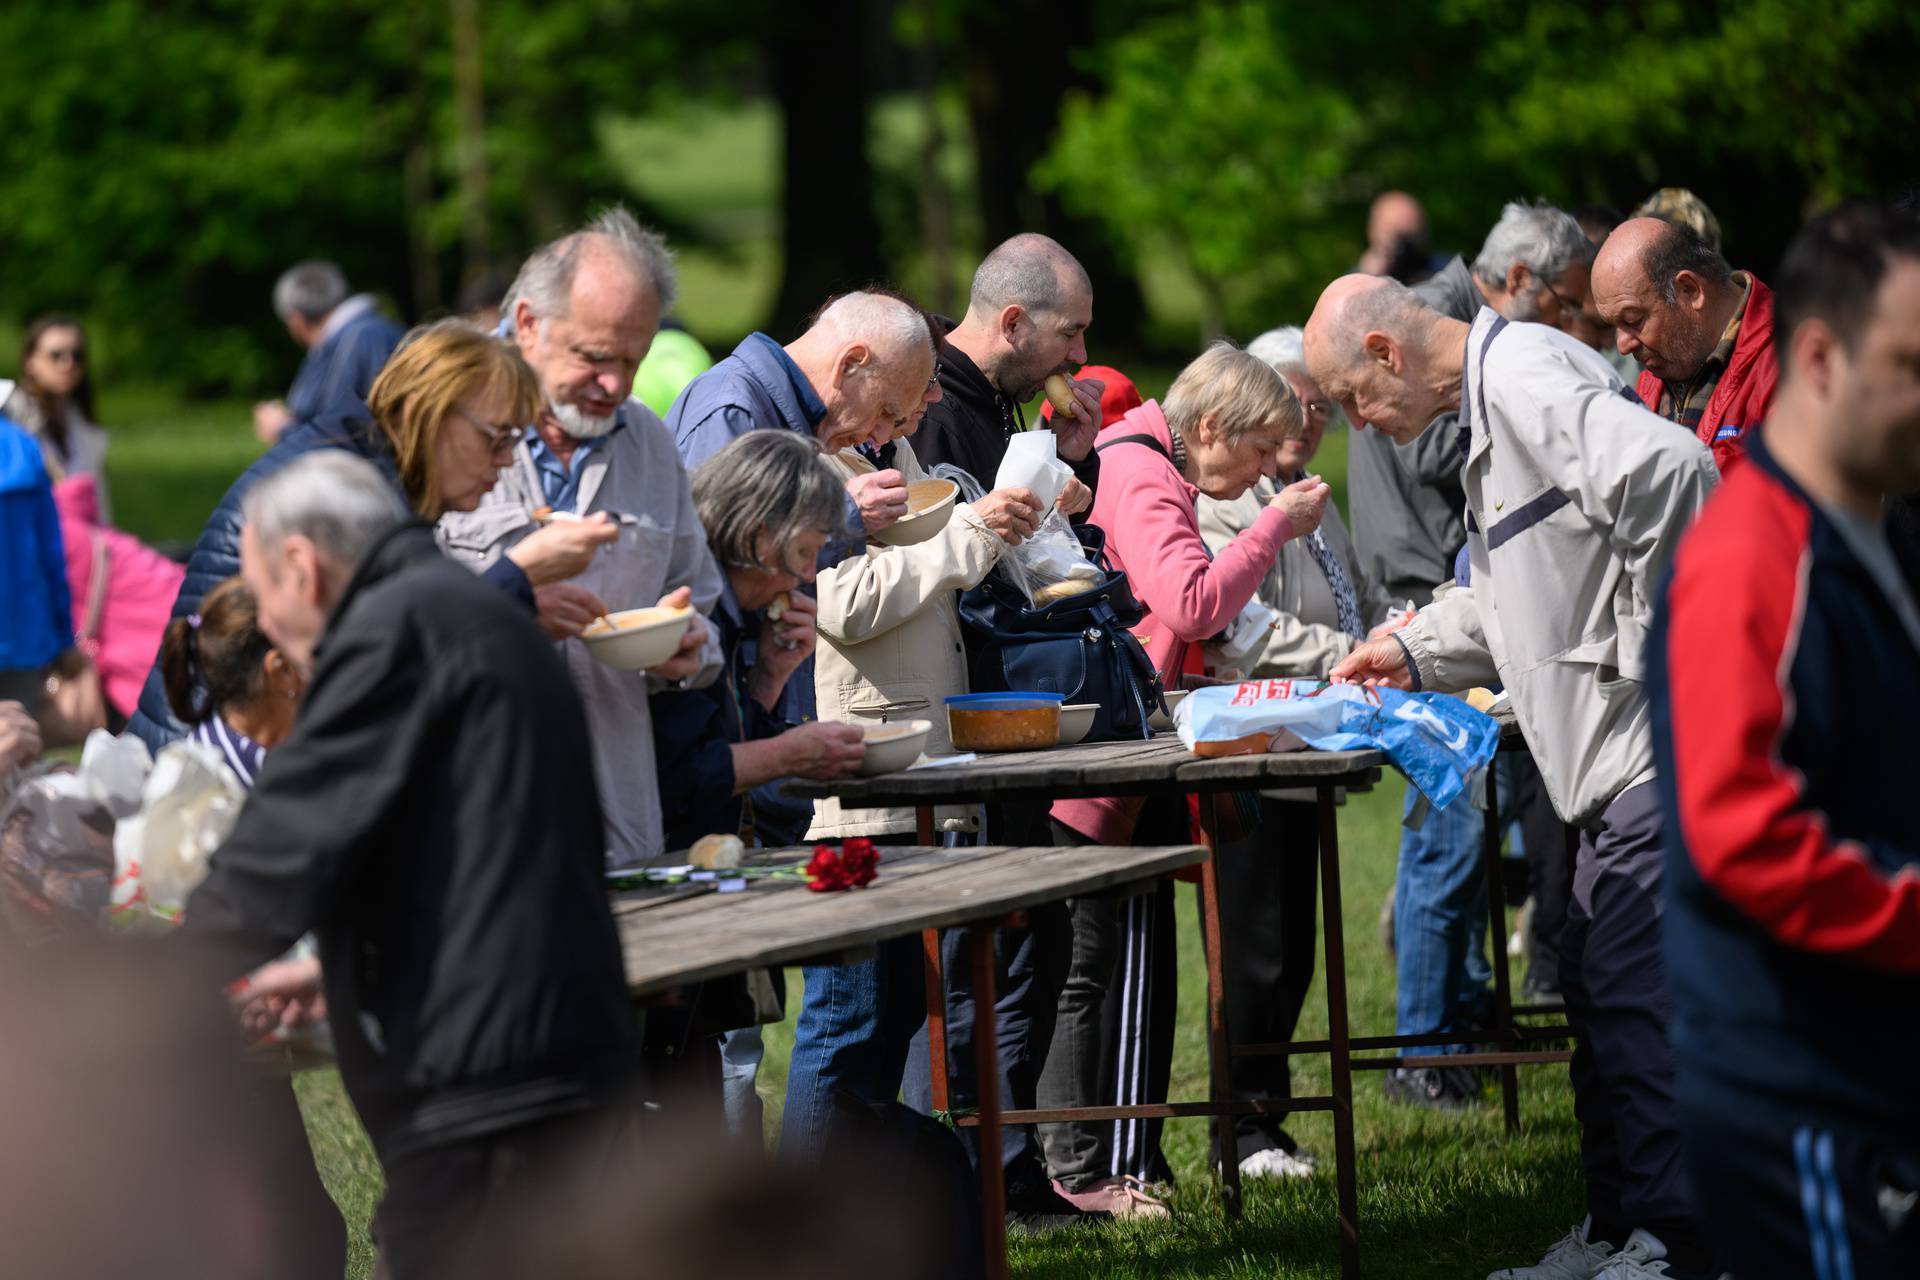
(216, 555)
(336, 375)
(1785, 688)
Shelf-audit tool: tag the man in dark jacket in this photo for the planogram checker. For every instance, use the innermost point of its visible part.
(433, 820)
(1027, 319)
(347, 342)
(1785, 679)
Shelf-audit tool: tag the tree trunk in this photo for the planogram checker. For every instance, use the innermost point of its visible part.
(936, 201)
(830, 240)
(1019, 67)
(470, 116)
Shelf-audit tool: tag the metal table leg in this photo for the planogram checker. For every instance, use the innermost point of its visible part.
(1338, 1056)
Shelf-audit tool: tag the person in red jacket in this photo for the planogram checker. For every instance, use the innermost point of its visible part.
(1702, 332)
(1784, 678)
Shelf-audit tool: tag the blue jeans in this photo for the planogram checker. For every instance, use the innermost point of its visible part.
(1440, 924)
(856, 1023)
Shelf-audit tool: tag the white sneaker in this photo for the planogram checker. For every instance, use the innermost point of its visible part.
(1572, 1257)
(1640, 1260)
(1275, 1163)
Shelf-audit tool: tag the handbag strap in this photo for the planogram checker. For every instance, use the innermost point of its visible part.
(1138, 438)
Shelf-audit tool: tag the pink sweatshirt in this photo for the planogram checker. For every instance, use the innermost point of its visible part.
(1153, 536)
(140, 589)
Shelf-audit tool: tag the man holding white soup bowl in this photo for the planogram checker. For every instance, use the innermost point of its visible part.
(583, 311)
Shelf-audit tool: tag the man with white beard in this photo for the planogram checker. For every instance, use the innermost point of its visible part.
(583, 312)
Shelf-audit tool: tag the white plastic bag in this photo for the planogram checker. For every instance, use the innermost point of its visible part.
(188, 807)
(1052, 564)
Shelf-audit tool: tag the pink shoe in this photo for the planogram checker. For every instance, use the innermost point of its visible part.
(1123, 1196)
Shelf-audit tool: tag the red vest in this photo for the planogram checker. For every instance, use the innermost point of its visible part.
(1745, 391)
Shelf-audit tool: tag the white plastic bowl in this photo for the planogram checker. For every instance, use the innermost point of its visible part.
(929, 506)
(637, 638)
(894, 746)
(1160, 723)
(1076, 721)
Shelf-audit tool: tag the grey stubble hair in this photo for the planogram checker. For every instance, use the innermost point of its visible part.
(546, 278)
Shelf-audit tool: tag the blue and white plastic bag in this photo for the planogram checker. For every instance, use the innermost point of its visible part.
(1437, 740)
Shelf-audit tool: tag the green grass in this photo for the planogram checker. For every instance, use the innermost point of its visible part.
(1441, 1196)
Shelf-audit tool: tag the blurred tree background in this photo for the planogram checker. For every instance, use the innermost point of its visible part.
(1211, 162)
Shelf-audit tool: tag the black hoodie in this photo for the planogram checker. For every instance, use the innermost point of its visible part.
(973, 423)
(433, 820)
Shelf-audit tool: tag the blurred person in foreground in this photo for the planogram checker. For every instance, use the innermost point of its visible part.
(1322, 605)
(1577, 498)
(53, 401)
(1702, 332)
(1785, 653)
(1226, 420)
(583, 312)
(768, 502)
(443, 419)
(439, 771)
(347, 342)
(133, 1124)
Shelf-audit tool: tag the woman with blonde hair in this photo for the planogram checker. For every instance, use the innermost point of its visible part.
(1219, 432)
(441, 421)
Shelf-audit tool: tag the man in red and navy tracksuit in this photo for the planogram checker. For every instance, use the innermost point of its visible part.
(1785, 685)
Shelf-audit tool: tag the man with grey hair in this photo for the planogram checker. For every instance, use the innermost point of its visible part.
(347, 342)
(1576, 499)
(1027, 319)
(1702, 332)
(583, 312)
(433, 820)
(867, 361)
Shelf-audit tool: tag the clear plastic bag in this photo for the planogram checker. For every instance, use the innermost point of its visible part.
(1050, 565)
(188, 806)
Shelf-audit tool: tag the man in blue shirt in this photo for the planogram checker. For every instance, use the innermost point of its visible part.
(347, 342)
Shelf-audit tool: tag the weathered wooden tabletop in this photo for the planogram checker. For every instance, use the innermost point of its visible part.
(671, 937)
(1141, 767)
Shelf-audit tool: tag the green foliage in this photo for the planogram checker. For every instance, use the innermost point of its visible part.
(162, 165)
(1245, 138)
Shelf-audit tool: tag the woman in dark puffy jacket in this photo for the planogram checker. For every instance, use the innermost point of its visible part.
(441, 421)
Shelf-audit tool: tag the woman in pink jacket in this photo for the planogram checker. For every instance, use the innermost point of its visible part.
(1219, 432)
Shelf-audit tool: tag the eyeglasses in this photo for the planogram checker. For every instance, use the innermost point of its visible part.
(65, 355)
(499, 439)
(1568, 311)
(934, 381)
(1319, 410)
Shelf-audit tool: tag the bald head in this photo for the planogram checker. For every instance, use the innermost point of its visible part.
(1378, 350)
(1668, 293)
(1027, 316)
(1029, 271)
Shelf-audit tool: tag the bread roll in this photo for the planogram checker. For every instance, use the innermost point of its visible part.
(1059, 391)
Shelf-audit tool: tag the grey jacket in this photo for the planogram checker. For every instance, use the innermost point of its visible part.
(1407, 498)
(1307, 639)
(637, 472)
(1577, 497)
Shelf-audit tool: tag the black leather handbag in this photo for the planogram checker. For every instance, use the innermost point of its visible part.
(1078, 646)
